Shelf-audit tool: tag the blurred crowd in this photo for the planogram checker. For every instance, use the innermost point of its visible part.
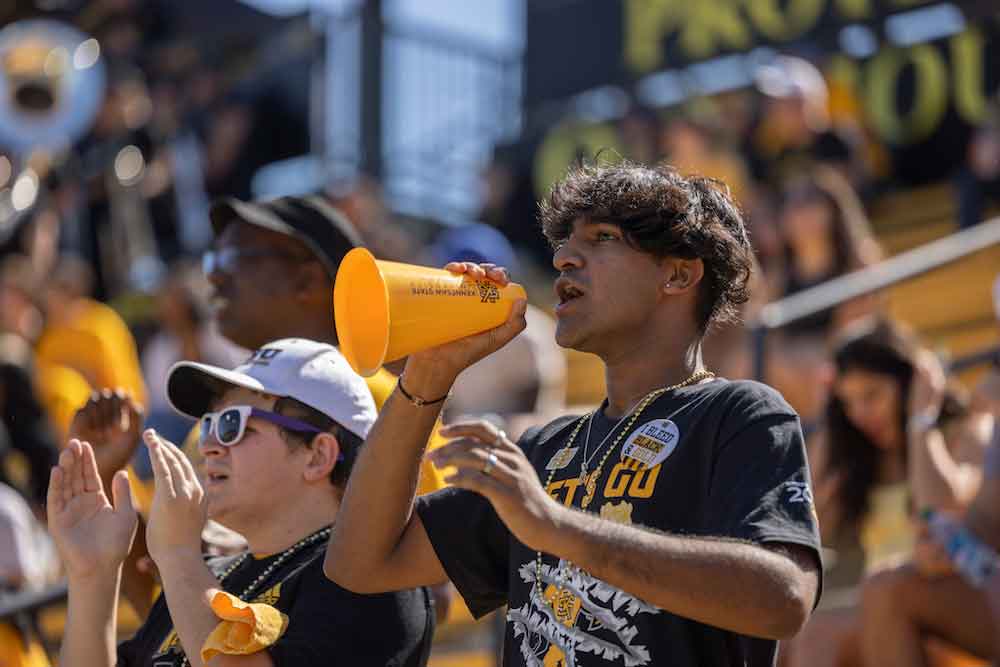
(102, 290)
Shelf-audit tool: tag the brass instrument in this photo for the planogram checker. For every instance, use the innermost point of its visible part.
(52, 85)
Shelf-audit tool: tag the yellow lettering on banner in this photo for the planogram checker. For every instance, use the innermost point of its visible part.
(704, 28)
(968, 51)
(783, 21)
(930, 96)
(854, 9)
(711, 27)
(569, 141)
(646, 22)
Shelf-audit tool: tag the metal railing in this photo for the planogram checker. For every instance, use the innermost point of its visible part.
(832, 293)
(444, 102)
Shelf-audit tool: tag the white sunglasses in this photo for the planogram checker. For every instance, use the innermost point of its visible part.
(229, 425)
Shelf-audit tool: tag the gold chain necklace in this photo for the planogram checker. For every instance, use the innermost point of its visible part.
(590, 479)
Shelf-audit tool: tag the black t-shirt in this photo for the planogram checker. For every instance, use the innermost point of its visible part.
(726, 459)
(327, 624)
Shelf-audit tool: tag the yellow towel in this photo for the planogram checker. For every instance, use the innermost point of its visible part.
(245, 628)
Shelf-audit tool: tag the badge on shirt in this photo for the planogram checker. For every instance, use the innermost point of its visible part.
(652, 443)
(561, 458)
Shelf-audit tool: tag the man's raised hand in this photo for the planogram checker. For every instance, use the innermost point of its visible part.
(446, 361)
(93, 535)
(111, 421)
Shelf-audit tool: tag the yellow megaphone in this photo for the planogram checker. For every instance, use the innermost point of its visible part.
(385, 311)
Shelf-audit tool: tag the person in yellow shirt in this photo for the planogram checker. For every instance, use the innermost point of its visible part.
(88, 336)
(91, 339)
(77, 354)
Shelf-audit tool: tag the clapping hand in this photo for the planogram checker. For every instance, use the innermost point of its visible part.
(111, 421)
(93, 535)
(178, 512)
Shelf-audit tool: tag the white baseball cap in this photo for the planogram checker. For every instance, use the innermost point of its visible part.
(312, 373)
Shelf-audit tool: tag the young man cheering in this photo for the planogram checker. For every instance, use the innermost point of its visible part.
(673, 525)
(279, 436)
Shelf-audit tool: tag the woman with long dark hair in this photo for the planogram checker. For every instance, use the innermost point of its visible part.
(887, 395)
(894, 440)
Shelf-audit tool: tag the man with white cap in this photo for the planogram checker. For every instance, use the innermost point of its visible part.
(279, 434)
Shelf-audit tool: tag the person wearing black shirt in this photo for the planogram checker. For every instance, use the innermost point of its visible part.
(279, 434)
(673, 525)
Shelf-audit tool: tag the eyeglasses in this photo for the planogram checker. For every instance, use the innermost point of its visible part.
(229, 425)
(227, 260)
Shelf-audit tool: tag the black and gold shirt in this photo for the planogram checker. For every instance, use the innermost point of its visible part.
(327, 624)
(722, 459)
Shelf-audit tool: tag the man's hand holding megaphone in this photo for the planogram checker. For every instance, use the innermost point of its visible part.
(484, 459)
(384, 306)
(435, 369)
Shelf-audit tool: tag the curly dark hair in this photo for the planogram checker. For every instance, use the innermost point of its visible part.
(664, 214)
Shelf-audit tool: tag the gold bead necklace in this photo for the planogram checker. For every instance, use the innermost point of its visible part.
(590, 479)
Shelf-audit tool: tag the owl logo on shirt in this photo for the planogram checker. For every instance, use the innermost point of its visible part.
(575, 614)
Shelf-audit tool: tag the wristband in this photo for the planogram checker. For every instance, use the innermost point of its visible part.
(417, 400)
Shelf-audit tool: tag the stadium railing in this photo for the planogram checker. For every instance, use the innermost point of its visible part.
(892, 271)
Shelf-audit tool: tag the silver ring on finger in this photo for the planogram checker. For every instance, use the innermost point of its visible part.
(491, 462)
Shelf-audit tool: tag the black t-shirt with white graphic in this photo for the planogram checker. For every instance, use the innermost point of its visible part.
(327, 625)
(723, 459)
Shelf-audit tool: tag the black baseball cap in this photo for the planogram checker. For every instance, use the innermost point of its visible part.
(312, 220)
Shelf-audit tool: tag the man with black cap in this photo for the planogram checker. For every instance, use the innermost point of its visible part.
(279, 435)
(272, 267)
